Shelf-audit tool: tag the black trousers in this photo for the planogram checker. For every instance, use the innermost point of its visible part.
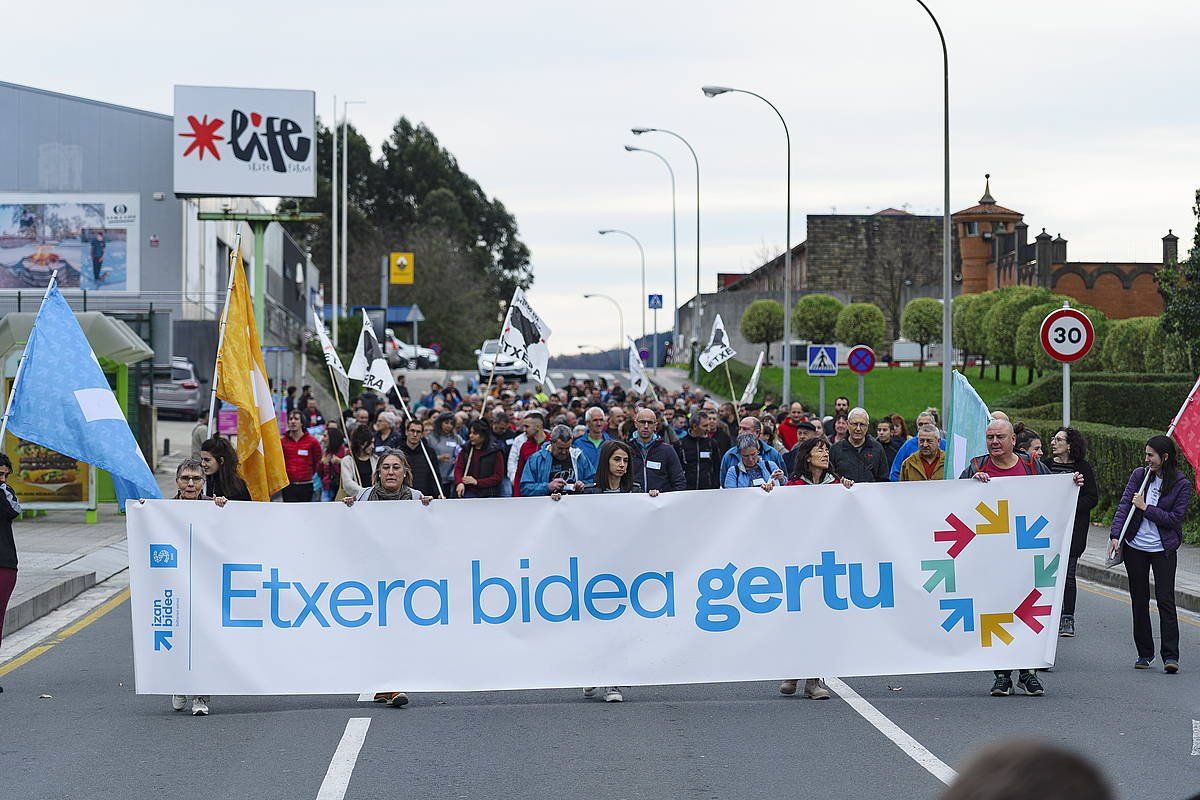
(1072, 589)
(1138, 565)
(298, 493)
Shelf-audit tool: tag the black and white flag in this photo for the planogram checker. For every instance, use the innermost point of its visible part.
(717, 351)
(524, 337)
(369, 364)
(638, 378)
(331, 358)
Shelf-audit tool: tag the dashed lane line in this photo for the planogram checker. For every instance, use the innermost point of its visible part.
(341, 767)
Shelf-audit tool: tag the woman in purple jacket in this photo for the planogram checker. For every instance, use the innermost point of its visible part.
(1151, 541)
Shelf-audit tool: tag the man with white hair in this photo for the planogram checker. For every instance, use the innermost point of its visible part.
(386, 435)
(859, 456)
(589, 444)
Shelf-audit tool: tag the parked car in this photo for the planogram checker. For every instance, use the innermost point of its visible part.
(401, 354)
(177, 389)
(491, 359)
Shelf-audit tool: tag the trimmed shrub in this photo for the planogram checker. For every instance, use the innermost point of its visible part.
(1049, 388)
(1127, 343)
(862, 323)
(1003, 319)
(762, 323)
(814, 318)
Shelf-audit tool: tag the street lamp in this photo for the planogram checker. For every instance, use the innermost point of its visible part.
(699, 299)
(607, 231)
(674, 245)
(713, 91)
(333, 227)
(947, 286)
(345, 189)
(620, 323)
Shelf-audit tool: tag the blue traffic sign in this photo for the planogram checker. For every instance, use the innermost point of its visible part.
(655, 301)
(861, 360)
(822, 361)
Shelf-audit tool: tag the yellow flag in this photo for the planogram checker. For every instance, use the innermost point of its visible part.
(242, 381)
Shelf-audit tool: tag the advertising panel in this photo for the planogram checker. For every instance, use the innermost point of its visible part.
(43, 478)
(91, 240)
(245, 142)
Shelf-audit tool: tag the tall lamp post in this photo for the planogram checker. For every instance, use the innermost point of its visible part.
(620, 324)
(333, 227)
(699, 299)
(345, 190)
(713, 91)
(947, 286)
(674, 245)
(642, 252)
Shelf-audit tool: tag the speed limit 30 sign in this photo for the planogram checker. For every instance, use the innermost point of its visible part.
(1067, 335)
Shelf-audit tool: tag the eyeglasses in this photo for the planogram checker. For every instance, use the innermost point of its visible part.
(1059, 439)
(190, 479)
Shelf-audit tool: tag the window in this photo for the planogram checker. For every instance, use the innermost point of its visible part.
(972, 229)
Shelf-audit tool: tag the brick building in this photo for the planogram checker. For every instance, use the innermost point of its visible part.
(996, 251)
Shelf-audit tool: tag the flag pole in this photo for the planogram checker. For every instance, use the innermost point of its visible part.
(212, 399)
(733, 397)
(487, 392)
(21, 364)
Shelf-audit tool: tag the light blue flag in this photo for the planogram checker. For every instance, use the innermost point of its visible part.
(966, 429)
(63, 401)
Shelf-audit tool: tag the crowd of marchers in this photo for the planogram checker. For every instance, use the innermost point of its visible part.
(592, 437)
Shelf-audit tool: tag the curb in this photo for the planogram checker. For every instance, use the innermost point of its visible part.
(1116, 578)
(47, 597)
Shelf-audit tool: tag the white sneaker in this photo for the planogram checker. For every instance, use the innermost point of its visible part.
(589, 691)
(613, 695)
(200, 706)
(178, 702)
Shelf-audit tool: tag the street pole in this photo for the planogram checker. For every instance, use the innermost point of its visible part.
(333, 228)
(345, 192)
(655, 370)
(620, 324)
(821, 401)
(642, 252)
(713, 91)
(675, 343)
(383, 286)
(699, 299)
(947, 287)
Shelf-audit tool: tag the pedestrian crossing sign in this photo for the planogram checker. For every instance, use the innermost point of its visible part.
(822, 361)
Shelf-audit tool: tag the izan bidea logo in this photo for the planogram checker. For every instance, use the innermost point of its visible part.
(163, 556)
(262, 143)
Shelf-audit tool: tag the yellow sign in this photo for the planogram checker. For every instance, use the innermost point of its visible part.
(401, 267)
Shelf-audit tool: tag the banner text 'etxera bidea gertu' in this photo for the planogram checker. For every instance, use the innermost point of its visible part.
(690, 587)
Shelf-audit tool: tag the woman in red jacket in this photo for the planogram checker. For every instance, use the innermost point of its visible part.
(479, 469)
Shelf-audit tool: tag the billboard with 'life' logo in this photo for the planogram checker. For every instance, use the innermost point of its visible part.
(232, 142)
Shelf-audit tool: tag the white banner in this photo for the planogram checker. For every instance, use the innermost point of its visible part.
(596, 590)
(233, 142)
(718, 349)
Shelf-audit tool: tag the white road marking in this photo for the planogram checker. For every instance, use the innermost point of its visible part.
(41, 629)
(911, 747)
(1196, 737)
(337, 777)
(366, 697)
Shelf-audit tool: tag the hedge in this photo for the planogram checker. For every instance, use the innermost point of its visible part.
(1114, 453)
(1049, 388)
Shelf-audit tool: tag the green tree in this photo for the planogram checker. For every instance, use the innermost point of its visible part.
(976, 334)
(815, 318)
(762, 323)
(922, 323)
(1002, 320)
(1127, 343)
(1179, 285)
(861, 323)
(959, 308)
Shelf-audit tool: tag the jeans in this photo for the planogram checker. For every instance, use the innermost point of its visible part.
(1138, 565)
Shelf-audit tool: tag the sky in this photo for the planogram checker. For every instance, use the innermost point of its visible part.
(1079, 110)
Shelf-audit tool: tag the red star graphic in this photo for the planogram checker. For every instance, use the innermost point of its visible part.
(204, 136)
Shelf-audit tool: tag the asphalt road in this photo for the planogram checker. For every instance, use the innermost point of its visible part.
(95, 738)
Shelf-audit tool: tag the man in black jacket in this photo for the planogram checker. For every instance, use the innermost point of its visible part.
(859, 457)
(655, 463)
(699, 455)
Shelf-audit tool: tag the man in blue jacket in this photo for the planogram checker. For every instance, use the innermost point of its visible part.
(557, 467)
(589, 444)
(655, 463)
(767, 453)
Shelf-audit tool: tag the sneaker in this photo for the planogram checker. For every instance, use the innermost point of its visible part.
(813, 689)
(178, 702)
(788, 686)
(382, 697)
(589, 692)
(1170, 666)
(200, 706)
(1142, 663)
(1003, 686)
(399, 700)
(1066, 627)
(1030, 683)
(613, 695)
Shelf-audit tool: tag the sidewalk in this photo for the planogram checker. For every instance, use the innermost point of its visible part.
(61, 556)
(1187, 572)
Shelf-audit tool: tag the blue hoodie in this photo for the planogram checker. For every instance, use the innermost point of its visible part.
(535, 477)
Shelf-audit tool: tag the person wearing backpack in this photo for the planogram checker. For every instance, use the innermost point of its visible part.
(1002, 461)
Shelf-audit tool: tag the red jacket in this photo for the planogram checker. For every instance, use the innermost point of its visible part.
(301, 457)
(528, 448)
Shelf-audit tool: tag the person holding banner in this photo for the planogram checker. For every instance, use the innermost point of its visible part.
(767, 453)
(859, 456)
(614, 475)
(10, 509)
(812, 465)
(556, 467)
(1067, 449)
(751, 469)
(1002, 461)
(220, 464)
(1155, 501)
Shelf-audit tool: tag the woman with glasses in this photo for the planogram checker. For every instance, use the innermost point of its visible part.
(1067, 450)
(393, 481)
(751, 469)
(10, 509)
